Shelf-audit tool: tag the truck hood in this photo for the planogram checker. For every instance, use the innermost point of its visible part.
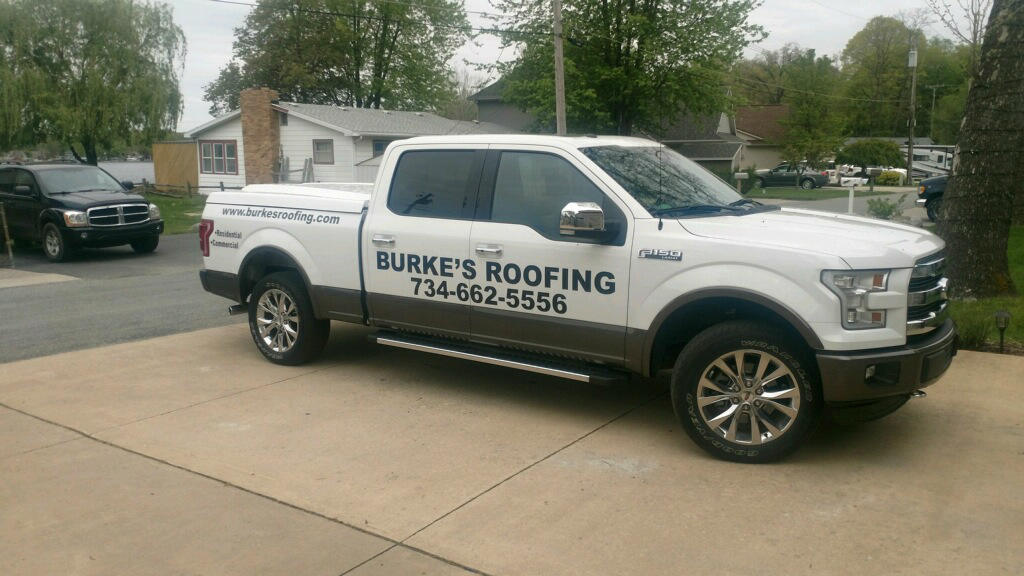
(83, 200)
(860, 242)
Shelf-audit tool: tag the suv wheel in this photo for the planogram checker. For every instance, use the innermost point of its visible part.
(933, 207)
(807, 184)
(746, 392)
(54, 246)
(281, 320)
(146, 245)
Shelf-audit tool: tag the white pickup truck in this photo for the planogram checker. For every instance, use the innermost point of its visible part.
(591, 258)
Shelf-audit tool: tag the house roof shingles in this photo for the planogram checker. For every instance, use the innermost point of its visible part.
(764, 122)
(389, 122)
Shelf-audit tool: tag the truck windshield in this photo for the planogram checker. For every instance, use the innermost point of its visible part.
(65, 180)
(664, 181)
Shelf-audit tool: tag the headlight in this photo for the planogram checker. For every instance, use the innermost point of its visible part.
(851, 286)
(75, 219)
(154, 212)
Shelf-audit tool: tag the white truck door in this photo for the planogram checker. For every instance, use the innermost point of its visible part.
(416, 239)
(538, 289)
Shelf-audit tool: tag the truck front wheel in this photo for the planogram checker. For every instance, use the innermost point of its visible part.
(281, 320)
(746, 392)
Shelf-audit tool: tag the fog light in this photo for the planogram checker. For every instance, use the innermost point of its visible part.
(85, 235)
(870, 372)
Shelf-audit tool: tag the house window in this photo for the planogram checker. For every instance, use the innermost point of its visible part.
(323, 151)
(379, 146)
(218, 157)
(283, 116)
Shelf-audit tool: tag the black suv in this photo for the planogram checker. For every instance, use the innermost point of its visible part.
(67, 206)
(929, 195)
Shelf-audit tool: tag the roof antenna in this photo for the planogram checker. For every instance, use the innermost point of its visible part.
(661, 189)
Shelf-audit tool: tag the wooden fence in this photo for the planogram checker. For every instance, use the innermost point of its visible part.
(176, 164)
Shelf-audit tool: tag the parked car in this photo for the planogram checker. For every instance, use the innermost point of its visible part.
(68, 206)
(786, 174)
(929, 195)
(590, 259)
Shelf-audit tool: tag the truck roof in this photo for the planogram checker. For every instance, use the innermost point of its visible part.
(565, 142)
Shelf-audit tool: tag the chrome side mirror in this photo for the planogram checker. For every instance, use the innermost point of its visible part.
(581, 217)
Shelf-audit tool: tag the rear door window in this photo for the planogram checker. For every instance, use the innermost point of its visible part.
(436, 183)
(6, 181)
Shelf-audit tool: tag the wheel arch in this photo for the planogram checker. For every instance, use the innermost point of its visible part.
(688, 315)
(266, 260)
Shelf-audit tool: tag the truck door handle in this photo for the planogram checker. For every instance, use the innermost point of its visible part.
(491, 249)
(383, 240)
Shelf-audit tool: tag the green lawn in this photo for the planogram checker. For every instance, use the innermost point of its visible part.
(976, 319)
(179, 214)
(794, 193)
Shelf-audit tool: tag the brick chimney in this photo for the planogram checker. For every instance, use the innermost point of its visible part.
(261, 134)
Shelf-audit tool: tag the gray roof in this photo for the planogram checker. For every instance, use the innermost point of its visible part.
(370, 121)
(494, 91)
(707, 150)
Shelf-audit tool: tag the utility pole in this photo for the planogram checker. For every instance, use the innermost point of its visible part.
(556, 6)
(933, 87)
(912, 64)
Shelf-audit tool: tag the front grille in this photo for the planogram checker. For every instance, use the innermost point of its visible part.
(118, 214)
(926, 295)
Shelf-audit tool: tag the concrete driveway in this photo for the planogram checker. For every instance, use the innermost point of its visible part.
(190, 454)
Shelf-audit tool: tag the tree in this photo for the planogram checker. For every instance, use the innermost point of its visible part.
(989, 166)
(968, 27)
(815, 122)
(877, 77)
(870, 152)
(345, 53)
(628, 64)
(89, 74)
(763, 80)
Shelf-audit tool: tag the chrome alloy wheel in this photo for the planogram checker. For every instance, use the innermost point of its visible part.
(748, 397)
(277, 318)
(52, 242)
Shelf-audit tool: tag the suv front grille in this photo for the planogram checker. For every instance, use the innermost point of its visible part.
(118, 214)
(926, 296)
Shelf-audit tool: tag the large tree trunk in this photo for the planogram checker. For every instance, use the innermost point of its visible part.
(979, 202)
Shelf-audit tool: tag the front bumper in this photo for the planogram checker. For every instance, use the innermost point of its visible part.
(897, 371)
(102, 236)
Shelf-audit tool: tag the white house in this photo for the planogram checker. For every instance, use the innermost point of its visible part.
(267, 141)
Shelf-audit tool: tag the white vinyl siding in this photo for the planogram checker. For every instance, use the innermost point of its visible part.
(297, 145)
(228, 132)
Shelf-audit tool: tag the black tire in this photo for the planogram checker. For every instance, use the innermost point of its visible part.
(790, 403)
(54, 247)
(146, 245)
(291, 338)
(807, 184)
(932, 207)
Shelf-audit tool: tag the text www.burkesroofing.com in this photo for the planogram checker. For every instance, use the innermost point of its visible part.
(297, 215)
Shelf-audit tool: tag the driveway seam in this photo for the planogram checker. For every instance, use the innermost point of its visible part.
(394, 543)
(38, 448)
(207, 401)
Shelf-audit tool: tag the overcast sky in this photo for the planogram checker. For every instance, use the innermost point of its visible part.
(825, 25)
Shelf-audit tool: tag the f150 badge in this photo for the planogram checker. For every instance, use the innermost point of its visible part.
(661, 254)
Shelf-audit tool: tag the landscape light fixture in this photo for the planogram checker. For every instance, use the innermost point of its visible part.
(1002, 322)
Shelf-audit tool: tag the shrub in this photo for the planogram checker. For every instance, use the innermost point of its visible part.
(973, 331)
(885, 208)
(889, 178)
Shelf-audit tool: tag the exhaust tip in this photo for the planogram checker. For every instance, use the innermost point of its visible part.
(918, 394)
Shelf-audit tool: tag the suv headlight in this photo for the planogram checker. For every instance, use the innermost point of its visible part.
(154, 212)
(852, 286)
(75, 219)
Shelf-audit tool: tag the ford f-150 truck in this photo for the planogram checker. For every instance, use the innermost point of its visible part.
(591, 258)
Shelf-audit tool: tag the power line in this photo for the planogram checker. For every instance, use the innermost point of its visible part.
(495, 31)
(826, 6)
(834, 96)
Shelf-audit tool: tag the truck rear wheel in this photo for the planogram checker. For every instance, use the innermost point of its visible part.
(746, 392)
(281, 320)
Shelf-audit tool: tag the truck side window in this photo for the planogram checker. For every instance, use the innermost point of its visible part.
(435, 183)
(531, 189)
(6, 181)
(23, 178)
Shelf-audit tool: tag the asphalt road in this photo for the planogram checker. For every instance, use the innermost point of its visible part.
(118, 296)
